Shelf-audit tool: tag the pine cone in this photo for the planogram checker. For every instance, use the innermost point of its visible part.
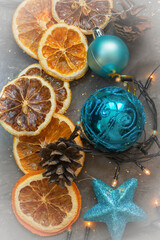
(61, 159)
(127, 24)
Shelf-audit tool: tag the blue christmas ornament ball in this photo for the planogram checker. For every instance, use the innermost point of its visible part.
(107, 54)
(112, 119)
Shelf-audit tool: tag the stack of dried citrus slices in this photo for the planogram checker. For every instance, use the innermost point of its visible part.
(43, 208)
(27, 110)
(60, 48)
(44, 30)
(31, 105)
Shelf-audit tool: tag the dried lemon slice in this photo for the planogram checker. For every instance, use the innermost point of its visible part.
(61, 88)
(26, 105)
(31, 19)
(83, 13)
(63, 52)
(45, 209)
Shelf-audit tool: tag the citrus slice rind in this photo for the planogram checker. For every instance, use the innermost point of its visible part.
(30, 20)
(61, 88)
(25, 149)
(83, 13)
(45, 209)
(26, 105)
(62, 52)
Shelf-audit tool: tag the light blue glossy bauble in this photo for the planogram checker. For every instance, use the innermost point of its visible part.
(112, 119)
(107, 54)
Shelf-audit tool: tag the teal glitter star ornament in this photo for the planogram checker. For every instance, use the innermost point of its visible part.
(115, 207)
(107, 54)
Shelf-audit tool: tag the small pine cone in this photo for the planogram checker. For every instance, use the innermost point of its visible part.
(127, 24)
(60, 160)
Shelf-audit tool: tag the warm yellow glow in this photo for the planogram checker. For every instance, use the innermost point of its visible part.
(88, 224)
(79, 132)
(118, 79)
(114, 183)
(152, 78)
(146, 171)
(156, 203)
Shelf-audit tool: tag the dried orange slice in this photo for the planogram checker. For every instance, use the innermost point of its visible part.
(26, 105)
(45, 209)
(63, 52)
(31, 19)
(26, 149)
(85, 14)
(61, 88)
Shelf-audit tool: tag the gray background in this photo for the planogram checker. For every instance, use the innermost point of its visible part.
(144, 57)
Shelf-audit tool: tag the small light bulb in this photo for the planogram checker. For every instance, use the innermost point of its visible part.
(151, 77)
(78, 123)
(114, 183)
(156, 203)
(154, 132)
(118, 79)
(89, 224)
(146, 171)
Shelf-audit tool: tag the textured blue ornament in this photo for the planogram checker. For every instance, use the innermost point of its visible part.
(115, 207)
(112, 119)
(107, 54)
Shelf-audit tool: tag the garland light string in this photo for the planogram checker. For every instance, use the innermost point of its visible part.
(87, 230)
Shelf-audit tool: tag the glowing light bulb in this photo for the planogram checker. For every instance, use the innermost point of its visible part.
(146, 171)
(118, 79)
(156, 203)
(114, 183)
(151, 77)
(88, 224)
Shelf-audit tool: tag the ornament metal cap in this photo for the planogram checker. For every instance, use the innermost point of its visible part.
(97, 32)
